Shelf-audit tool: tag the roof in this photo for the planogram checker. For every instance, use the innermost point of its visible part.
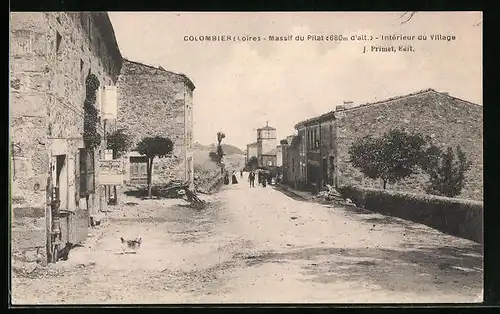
(331, 115)
(160, 68)
(253, 144)
(267, 127)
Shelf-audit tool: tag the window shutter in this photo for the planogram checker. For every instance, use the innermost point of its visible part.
(90, 172)
(82, 171)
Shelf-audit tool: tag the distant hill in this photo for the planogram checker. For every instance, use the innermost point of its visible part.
(227, 148)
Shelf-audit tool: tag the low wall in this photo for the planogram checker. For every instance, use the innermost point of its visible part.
(27, 232)
(457, 217)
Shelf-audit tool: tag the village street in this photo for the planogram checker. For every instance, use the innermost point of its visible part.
(258, 245)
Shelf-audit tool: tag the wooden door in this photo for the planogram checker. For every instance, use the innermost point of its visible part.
(138, 170)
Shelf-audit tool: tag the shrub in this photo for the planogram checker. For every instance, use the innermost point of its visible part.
(462, 218)
(447, 175)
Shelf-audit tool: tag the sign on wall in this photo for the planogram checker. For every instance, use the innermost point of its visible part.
(110, 172)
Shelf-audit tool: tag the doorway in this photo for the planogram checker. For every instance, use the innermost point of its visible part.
(324, 169)
(61, 180)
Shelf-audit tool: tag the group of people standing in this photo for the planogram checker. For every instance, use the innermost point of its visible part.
(262, 178)
(233, 178)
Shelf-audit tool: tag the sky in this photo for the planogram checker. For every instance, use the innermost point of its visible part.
(242, 85)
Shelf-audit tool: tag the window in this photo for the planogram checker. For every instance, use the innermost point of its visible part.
(87, 172)
(58, 41)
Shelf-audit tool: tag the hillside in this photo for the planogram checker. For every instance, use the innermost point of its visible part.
(227, 148)
(204, 167)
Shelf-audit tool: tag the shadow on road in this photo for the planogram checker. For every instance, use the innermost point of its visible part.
(445, 268)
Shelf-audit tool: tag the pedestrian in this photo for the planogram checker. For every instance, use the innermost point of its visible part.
(259, 177)
(241, 173)
(251, 178)
(233, 178)
(264, 180)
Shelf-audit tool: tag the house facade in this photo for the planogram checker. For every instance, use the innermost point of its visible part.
(55, 57)
(447, 120)
(252, 151)
(156, 102)
(279, 155)
(319, 144)
(266, 146)
(294, 167)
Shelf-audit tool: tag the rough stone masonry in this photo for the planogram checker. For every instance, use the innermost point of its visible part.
(156, 102)
(51, 55)
(449, 121)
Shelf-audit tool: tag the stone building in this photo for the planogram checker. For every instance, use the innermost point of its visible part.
(156, 102)
(319, 143)
(294, 164)
(252, 151)
(449, 121)
(279, 155)
(266, 146)
(52, 55)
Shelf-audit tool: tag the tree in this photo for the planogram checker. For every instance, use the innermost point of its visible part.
(213, 157)
(119, 142)
(220, 151)
(447, 172)
(253, 163)
(220, 136)
(394, 156)
(153, 147)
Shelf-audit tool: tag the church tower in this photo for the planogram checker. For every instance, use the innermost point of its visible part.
(266, 140)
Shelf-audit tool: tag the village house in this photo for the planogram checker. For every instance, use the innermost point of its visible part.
(266, 146)
(252, 151)
(54, 56)
(449, 121)
(156, 102)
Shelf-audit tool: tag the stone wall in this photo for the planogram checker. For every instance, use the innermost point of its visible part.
(153, 102)
(448, 120)
(51, 55)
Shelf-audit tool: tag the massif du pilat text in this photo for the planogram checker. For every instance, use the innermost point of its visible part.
(330, 37)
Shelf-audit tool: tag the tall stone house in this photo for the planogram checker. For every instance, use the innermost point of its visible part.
(449, 121)
(155, 102)
(252, 151)
(266, 146)
(52, 55)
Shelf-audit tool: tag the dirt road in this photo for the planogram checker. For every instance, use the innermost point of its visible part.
(258, 245)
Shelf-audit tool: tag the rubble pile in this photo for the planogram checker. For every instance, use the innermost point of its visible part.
(331, 194)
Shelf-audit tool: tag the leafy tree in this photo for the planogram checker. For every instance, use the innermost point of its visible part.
(153, 147)
(220, 136)
(220, 151)
(394, 156)
(119, 142)
(253, 163)
(214, 157)
(447, 172)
